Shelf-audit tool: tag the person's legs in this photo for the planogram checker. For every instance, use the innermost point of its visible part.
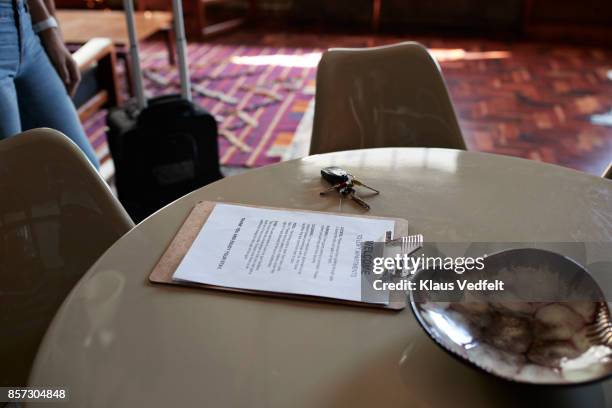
(10, 122)
(42, 97)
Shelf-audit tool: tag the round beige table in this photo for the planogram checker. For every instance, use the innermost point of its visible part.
(120, 341)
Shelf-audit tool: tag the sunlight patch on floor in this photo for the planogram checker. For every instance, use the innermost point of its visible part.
(311, 59)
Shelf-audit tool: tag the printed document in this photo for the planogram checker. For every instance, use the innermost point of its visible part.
(296, 252)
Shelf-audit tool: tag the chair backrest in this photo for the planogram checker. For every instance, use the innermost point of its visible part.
(57, 216)
(608, 172)
(390, 96)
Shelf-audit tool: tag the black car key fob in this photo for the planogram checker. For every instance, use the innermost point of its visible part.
(335, 175)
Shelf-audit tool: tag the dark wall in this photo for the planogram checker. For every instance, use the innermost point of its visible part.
(462, 15)
(582, 12)
(487, 14)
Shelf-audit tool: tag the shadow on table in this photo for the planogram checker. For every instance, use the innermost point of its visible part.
(431, 378)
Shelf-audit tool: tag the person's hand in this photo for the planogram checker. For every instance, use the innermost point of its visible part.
(61, 59)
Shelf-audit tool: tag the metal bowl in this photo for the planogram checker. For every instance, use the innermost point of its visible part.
(550, 325)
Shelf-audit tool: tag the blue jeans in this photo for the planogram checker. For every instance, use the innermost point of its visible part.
(31, 92)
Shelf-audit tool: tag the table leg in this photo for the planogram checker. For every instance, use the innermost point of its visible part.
(200, 18)
(526, 17)
(128, 71)
(109, 79)
(253, 10)
(376, 14)
(169, 38)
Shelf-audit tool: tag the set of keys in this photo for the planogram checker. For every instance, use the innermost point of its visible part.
(344, 183)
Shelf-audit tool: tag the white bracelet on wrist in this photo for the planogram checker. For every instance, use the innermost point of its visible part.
(50, 22)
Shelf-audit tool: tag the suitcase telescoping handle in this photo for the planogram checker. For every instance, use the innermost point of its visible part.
(181, 49)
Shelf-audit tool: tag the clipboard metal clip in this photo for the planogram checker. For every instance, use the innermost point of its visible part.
(408, 244)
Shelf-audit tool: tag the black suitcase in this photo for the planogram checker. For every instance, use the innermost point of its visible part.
(165, 147)
(161, 153)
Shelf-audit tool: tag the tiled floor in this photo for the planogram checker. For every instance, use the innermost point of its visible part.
(537, 101)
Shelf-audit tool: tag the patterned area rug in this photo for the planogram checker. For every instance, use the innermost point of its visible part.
(540, 102)
(257, 94)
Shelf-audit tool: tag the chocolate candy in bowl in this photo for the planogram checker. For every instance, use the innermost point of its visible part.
(549, 325)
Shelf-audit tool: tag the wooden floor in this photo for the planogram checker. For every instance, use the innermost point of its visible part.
(524, 99)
